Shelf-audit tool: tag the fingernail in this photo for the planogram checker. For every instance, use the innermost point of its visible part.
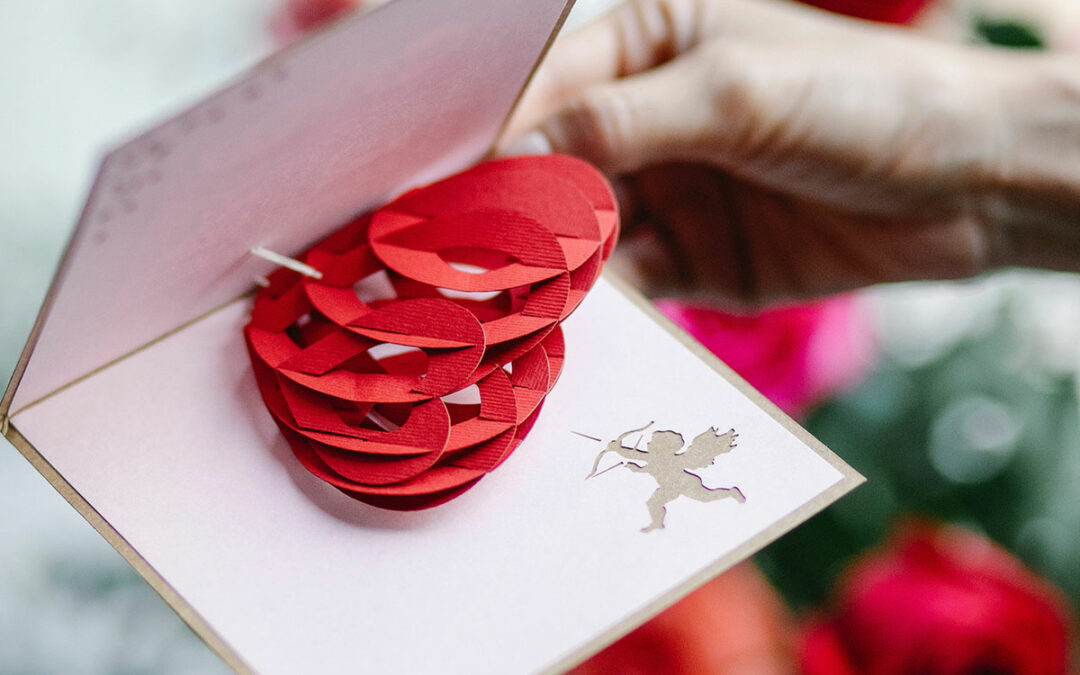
(532, 143)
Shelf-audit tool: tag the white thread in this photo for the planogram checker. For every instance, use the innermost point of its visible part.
(285, 261)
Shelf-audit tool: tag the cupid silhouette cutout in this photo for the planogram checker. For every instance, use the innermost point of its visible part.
(662, 460)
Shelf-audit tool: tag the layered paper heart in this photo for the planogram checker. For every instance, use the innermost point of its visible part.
(421, 358)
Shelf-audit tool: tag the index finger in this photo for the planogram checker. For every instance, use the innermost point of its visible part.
(633, 37)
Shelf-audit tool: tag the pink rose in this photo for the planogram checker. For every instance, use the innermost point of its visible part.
(796, 355)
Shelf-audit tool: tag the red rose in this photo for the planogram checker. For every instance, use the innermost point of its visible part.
(297, 17)
(941, 601)
(887, 11)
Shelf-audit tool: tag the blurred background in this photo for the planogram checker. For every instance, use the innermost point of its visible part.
(958, 402)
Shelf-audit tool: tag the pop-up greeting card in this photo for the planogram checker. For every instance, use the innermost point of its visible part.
(353, 400)
(476, 272)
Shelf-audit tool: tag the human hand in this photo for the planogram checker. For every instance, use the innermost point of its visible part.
(770, 151)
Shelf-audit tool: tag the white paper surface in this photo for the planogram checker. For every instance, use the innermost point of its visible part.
(174, 448)
(412, 92)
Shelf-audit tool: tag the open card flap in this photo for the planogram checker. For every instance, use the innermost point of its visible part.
(408, 93)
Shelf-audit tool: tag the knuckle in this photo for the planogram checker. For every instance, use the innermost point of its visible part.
(739, 96)
(655, 29)
(726, 71)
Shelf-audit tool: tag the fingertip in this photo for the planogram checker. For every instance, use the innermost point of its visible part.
(534, 142)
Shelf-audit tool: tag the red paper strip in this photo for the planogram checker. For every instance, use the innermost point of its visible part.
(453, 289)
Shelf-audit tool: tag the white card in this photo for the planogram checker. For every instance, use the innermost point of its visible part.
(136, 400)
(533, 568)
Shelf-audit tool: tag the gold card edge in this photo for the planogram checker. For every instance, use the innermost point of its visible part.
(202, 629)
(724, 563)
(142, 567)
(262, 65)
(850, 479)
(50, 295)
(125, 356)
(736, 380)
(528, 80)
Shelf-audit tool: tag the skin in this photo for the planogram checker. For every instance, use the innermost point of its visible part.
(766, 151)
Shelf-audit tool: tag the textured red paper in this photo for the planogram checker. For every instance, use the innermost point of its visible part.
(421, 358)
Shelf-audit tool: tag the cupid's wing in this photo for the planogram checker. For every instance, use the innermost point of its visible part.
(705, 447)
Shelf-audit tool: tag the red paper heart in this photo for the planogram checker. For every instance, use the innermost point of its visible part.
(452, 288)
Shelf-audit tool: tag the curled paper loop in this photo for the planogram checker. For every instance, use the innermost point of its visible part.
(421, 358)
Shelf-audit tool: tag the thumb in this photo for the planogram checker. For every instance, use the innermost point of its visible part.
(623, 125)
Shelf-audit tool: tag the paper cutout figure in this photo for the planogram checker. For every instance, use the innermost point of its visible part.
(476, 273)
(662, 460)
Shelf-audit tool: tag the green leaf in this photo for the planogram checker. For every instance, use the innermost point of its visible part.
(1008, 33)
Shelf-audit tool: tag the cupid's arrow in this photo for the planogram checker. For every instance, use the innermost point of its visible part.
(615, 446)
